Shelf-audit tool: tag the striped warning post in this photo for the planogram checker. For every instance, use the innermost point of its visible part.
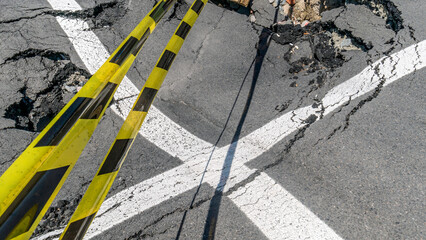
(101, 183)
(30, 184)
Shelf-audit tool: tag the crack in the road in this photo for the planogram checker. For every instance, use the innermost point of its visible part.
(141, 234)
(197, 52)
(299, 135)
(385, 9)
(179, 9)
(360, 104)
(356, 41)
(84, 14)
(412, 32)
(42, 99)
(31, 52)
(89, 13)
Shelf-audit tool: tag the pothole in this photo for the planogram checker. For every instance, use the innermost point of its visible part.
(312, 48)
(43, 96)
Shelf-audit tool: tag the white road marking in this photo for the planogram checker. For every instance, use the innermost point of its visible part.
(263, 197)
(139, 198)
(175, 140)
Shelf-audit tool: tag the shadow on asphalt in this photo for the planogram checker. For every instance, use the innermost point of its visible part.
(212, 216)
(211, 221)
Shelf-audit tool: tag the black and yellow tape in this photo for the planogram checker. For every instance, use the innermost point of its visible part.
(30, 184)
(101, 183)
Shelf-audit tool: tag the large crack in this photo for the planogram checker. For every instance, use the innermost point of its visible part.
(31, 52)
(385, 9)
(298, 136)
(360, 104)
(43, 96)
(102, 15)
(141, 234)
(356, 41)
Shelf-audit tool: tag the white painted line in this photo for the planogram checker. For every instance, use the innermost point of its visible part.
(84, 41)
(172, 138)
(175, 140)
(263, 198)
(390, 68)
(139, 198)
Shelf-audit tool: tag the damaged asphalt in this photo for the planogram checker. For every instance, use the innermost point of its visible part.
(360, 169)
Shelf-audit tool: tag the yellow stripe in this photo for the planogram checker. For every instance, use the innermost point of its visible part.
(192, 16)
(95, 192)
(152, 81)
(135, 118)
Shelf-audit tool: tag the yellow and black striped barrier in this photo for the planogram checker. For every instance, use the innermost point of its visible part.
(101, 183)
(30, 184)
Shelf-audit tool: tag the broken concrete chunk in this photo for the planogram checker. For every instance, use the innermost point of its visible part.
(287, 33)
(252, 18)
(346, 43)
(264, 12)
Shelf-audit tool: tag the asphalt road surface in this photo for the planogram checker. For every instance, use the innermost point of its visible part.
(257, 132)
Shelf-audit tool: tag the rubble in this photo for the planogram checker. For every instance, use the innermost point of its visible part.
(312, 47)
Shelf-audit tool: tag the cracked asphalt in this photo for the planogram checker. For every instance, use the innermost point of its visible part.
(359, 168)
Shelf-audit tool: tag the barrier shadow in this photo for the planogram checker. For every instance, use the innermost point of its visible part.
(215, 203)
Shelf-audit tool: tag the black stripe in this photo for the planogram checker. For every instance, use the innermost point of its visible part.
(145, 100)
(77, 229)
(167, 4)
(198, 6)
(166, 60)
(99, 103)
(183, 30)
(115, 156)
(158, 13)
(61, 127)
(29, 203)
(124, 51)
(141, 42)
